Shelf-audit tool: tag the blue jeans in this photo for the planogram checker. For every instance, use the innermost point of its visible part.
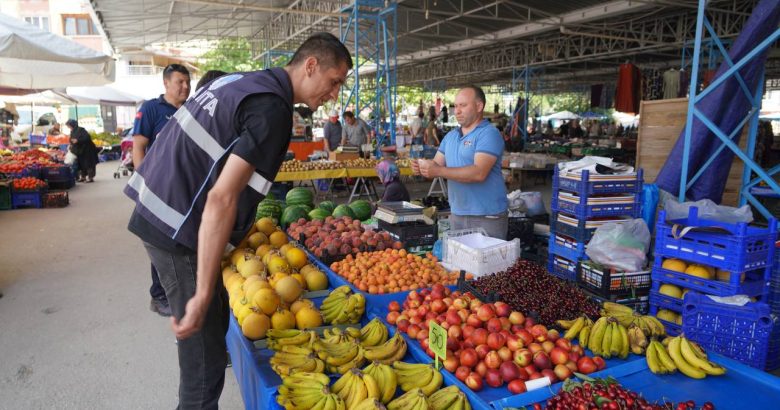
(202, 356)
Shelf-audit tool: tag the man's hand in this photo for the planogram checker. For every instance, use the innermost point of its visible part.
(428, 168)
(192, 321)
(415, 167)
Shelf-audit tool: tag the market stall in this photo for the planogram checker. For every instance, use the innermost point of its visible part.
(34, 179)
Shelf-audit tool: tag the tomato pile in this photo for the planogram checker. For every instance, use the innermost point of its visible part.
(392, 270)
(27, 184)
(12, 168)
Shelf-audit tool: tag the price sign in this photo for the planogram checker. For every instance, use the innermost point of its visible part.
(437, 341)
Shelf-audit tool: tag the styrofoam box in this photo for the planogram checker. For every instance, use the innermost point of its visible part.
(475, 252)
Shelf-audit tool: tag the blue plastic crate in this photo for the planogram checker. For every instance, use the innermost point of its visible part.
(585, 186)
(579, 233)
(568, 248)
(732, 247)
(57, 174)
(582, 210)
(672, 329)
(563, 268)
(739, 332)
(755, 283)
(666, 302)
(26, 200)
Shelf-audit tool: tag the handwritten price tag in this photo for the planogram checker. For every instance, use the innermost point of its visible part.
(437, 341)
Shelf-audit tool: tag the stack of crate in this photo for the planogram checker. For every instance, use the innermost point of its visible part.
(580, 203)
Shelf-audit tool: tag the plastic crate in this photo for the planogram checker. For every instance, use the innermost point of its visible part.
(666, 302)
(521, 228)
(57, 174)
(5, 195)
(584, 186)
(740, 332)
(568, 248)
(55, 199)
(465, 286)
(672, 329)
(583, 210)
(640, 304)
(579, 233)
(473, 251)
(755, 283)
(607, 282)
(563, 268)
(732, 247)
(411, 234)
(27, 199)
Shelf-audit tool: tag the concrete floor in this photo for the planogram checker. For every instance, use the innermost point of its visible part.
(75, 327)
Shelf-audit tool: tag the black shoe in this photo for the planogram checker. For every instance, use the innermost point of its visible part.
(160, 307)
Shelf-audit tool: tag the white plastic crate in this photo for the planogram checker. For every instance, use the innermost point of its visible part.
(475, 252)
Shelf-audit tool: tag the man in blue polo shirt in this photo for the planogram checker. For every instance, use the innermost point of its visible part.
(149, 120)
(469, 158)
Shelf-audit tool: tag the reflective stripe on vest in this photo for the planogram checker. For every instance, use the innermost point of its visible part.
(151, 201)
(207, 143)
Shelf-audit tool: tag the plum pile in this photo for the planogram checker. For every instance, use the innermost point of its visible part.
(528, 287)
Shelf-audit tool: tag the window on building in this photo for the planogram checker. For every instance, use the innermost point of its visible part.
(78, 25)
(40, 22)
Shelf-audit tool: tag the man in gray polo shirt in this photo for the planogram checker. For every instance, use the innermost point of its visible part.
(354, 131)
(332, 132)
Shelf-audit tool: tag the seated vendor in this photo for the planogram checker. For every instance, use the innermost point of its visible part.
(390, 177)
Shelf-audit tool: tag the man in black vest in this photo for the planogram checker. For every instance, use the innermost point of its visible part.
(197, 191)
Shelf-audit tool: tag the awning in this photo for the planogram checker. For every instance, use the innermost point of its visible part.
(48, 97)
(104, 95)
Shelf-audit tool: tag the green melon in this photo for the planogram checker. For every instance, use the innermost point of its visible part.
(327, 206)
(318, 213)
(361, 208)
(299, 196)
(292, 213)
(269, 208)
(343, 210)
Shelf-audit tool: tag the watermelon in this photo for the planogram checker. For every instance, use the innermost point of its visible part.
(300, 196)
(292, 213)
(269, 208)
(327, 206)
(306, 207)
(318, 214)
(361, 208)
(343, 210)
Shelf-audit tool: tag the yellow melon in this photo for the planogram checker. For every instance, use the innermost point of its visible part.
(266, 300)
(277, 239)
(675, 265)
(251, 267)
(296, 257)
(725, 276)
(270, 254)
(699, 271)
(283, 319)
(251, 289)
(276, 277)
(255, 326)
(300, 304)
(262, 250)
(316, 280)
(307, 268)
(667, 315)
(256, 239)
(308, 318)
(286, 247)
(288, 289)
(242, 312)
(278, 264)
(266, 226)
(670, 290)
(300, 279)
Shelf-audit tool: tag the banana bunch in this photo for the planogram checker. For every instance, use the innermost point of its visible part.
(304, 391)
(370, 404)
(343, 306)
(637, 340)
(289, 337)
(414, 399)
(336, 335)
(339, 357)
(608, 338)
(386, 379)
(374, 333)
(392, 350)
(682, 355)
(354, 387)
(574, 327)
(418, 376)
(626, 316)
(449, 398)
(293, 359)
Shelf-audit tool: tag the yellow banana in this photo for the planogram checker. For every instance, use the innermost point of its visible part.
(574, 330)
(434, 384)
(369, 404)
(616, 345)
(691, 357)
(596, 335)
(625, 345)
(682, 365)
(565, 324)
(651, 355)
(372, 387)
(341, 383)
(584, 334)
(444, 398)
(606, 342)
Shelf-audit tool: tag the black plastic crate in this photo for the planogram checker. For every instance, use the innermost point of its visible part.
(411, 234)
(640, 304)
(464, 286)
(521, 228)
(607, 282)
(55, 199)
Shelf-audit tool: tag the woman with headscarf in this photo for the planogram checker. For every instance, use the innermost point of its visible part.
(85, 150)
(390, 177)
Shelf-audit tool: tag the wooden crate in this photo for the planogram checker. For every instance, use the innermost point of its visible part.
(660, 124)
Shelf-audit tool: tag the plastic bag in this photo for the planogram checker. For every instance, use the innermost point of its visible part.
(650, 197)
(533, 203)
(622, 245)
(708, 210)
(70, 158)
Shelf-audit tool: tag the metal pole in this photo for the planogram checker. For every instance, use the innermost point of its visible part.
(751, 142)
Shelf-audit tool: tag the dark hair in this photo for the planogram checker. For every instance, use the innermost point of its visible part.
(328, 50)
(478, 93)
(420, 114)
(170, 68)
(348, 114)
(72, 123)
(210, 76)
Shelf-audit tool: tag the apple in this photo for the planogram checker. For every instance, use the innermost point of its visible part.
(572, 366)
(422, 334)
(514, 343)
(474, 321)
(522, 373)
(422, 310)
(563, 343)
(493, 378)
(453, 318)
(548, 345)
(529, 322)
(431, 315)
(505, 323)
(474, 381)
(562, 371)
(535, 375)
(509, 371)
(479, 337)
(451, 363)
(505, 354)
(517, 386)
(438, 291)
(415, 320)
(474, 304)
(496, 341)
(414, 304)
(481, 368)
(525, 336)
(425, 343)
(403, 325)
(442, 322)
(542, 361)
(468, 357)
(502, 309)
(468, 330)
(574, 356)
(586, 365)
(486, 312)
(535, 347)
(394, 306)
(539, 333)
(600, 363)
(447, 301)
(553, 335)
(482, 350)
(578, 349)
(392, 317)
(523, 357)
(467, 343)
(516, 328)
(516, 318)
(493, 360)
(460, 303)
(455, 332)
(438, 306)
(558, 355)
(453, 343)
(550, 374)
(413, 331)
(462, 372)
(493, 325)
(413, 295)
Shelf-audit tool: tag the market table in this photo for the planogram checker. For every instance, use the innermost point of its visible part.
(363, 185)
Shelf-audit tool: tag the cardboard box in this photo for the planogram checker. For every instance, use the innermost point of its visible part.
(343, 156)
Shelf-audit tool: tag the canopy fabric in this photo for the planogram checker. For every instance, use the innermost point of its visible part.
(47, 97)
(103, 95)
(33, 59)
(563, 115)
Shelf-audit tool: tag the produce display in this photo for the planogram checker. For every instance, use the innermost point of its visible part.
(392, 270)
(679, 353)
(306, 390)
(336, 236)
(489, 343)
(18, 162)
(528, 287)
(608, 394)
(28, 184)
(343, 306)
(295, 165)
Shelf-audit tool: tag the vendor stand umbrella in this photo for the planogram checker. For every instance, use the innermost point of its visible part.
(563, 115)
(48, 97)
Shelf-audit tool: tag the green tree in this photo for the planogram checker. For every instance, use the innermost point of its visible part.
(229, 55)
